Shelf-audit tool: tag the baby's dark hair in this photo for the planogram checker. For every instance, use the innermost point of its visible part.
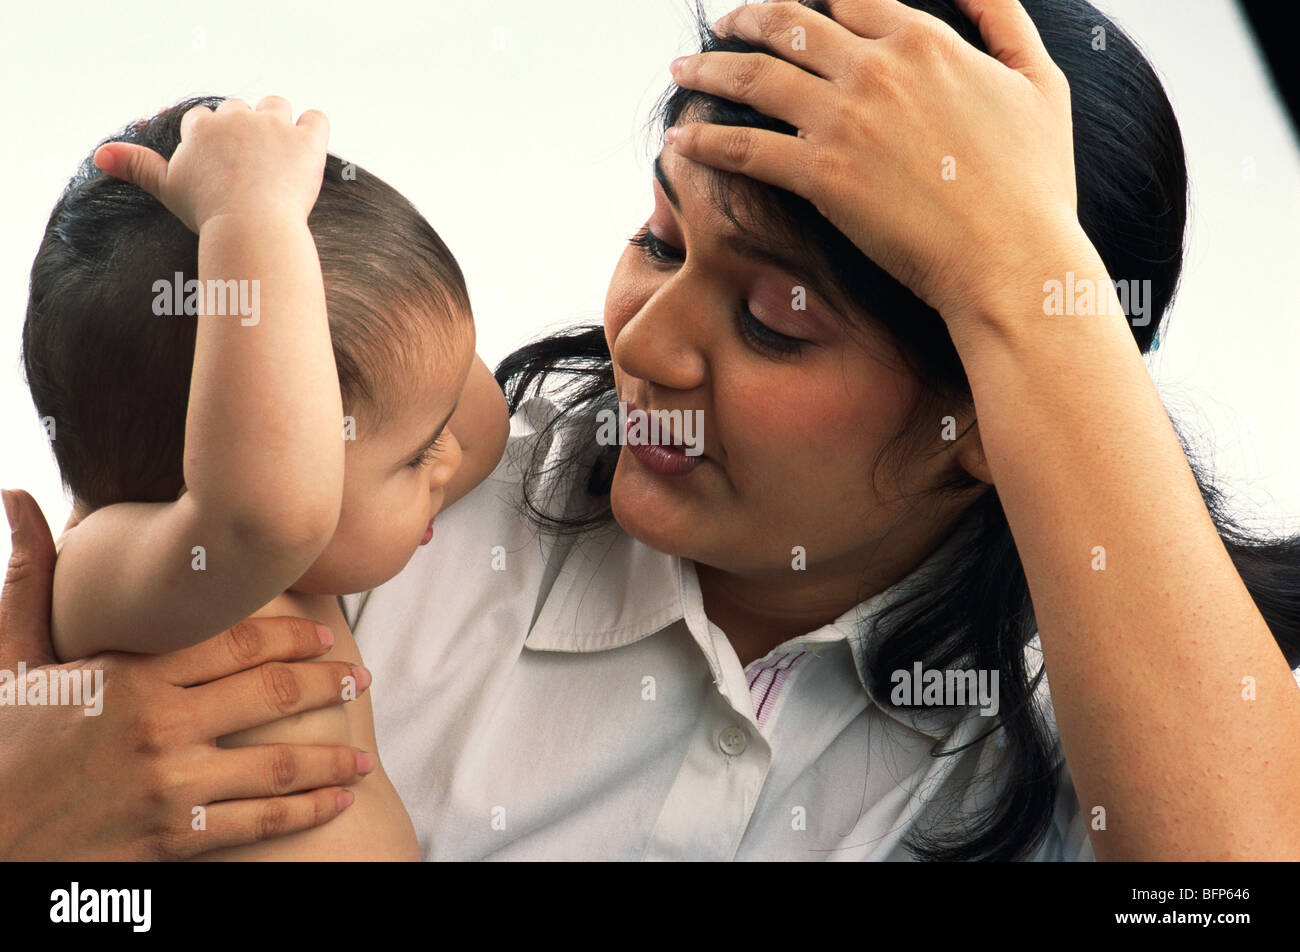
(114, 377)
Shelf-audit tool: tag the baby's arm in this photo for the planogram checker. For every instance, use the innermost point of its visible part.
(481, 425)
(264, 402)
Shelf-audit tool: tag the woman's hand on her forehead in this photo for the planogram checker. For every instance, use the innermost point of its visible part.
(234, 160)
(948, 167)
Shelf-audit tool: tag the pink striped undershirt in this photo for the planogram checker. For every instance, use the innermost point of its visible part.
(767, 679)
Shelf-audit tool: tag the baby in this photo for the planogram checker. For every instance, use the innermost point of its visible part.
(256, 366)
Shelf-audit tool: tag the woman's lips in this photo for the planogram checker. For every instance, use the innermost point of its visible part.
(667, 460)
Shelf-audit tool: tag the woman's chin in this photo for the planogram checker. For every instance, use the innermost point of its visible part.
(648, 512)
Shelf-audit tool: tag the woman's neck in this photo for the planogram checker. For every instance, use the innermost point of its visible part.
(759, 612)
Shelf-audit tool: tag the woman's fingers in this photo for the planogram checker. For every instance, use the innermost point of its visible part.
(1009, 34)
(193, 115)
(271, 770)
(270, 692)
(29, 582)
(276, 104)
(241, 822)
(785, 161)
(872, 19)
(252, 642)
(791, 31)
(772, 86)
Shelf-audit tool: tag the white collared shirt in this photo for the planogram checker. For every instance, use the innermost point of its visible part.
(550, 699)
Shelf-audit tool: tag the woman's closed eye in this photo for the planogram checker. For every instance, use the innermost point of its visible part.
(755, 332)
(655, 248)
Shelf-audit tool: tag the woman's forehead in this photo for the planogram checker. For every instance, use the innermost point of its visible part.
(736, 225)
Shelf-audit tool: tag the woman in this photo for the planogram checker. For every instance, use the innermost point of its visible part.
(864, 318)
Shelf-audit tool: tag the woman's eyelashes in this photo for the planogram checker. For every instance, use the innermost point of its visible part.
(757, 334)
(764, 338)
(654, 248)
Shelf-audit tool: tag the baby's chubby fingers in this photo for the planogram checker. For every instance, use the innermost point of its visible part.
(145, 168)
(132, 163)
(232, 160)
(315, 121)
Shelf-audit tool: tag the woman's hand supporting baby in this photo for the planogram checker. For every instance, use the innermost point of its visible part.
(144, 778)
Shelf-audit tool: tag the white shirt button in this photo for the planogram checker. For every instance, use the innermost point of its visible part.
(733, 740)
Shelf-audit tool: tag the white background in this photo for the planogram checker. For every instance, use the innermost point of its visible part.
(518, 128)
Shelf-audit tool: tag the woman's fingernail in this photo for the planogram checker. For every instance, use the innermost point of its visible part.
(345, 799)
(104, 162)
(362, 676)
(365, 762)
(11, 509)
(671, 134)
(325, 635)
(676, 64)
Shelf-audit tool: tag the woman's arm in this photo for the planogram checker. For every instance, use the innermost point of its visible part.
(148, 773)
(1149, 634)
(264, 399)
(1148, 658)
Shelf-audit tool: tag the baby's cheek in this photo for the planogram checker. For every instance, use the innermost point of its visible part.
(381, 542)
(359, 525)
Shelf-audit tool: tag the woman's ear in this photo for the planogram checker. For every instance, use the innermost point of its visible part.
(969, 451)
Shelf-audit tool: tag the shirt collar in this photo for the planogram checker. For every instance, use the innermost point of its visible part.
(612, 590)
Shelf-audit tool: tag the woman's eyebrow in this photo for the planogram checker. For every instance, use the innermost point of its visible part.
(801, 269)
(749, 248)
(663, 183)
(804, 269)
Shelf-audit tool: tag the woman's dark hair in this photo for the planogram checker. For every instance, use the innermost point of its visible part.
(1132, 199)
(114, 376)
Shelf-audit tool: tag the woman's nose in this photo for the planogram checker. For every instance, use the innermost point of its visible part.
(449, 460)
(663, 342)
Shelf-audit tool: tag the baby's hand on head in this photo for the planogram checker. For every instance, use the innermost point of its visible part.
(235, 160)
